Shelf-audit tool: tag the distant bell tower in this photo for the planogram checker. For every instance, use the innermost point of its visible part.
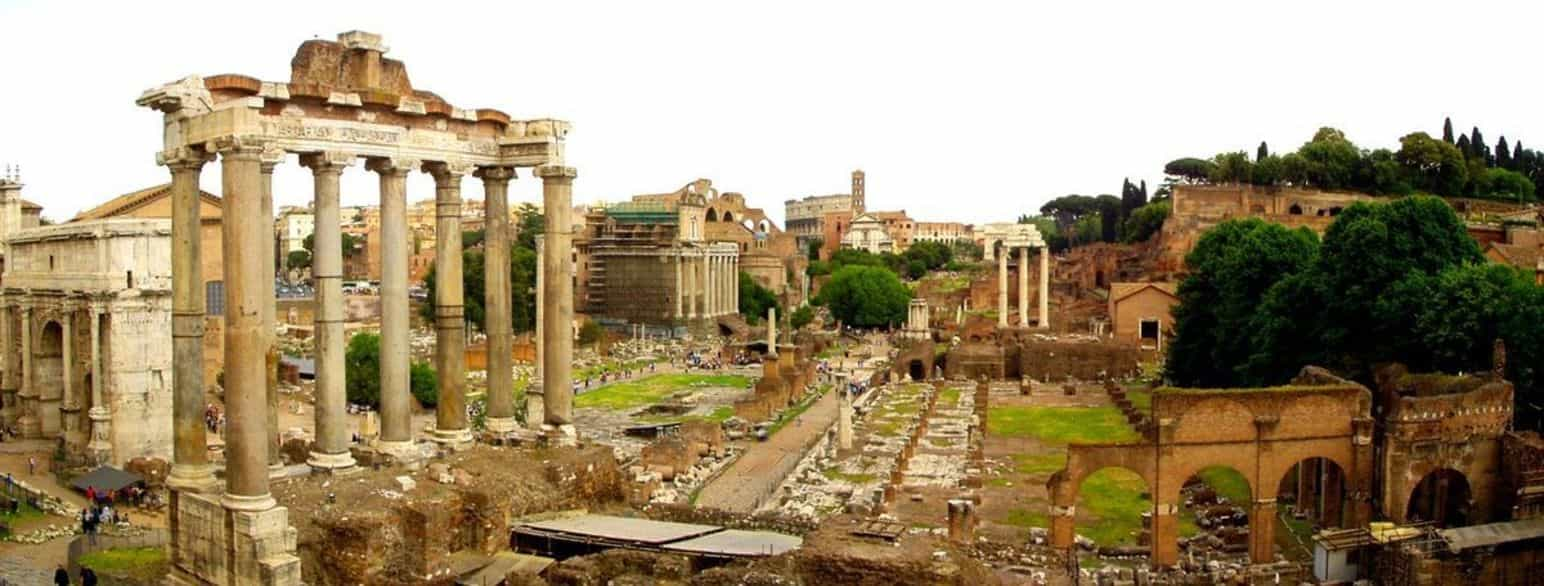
(857, 192)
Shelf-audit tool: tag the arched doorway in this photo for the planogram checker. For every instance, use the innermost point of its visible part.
(1109, 508)
(1295, 210)
(1443, 497)
(712, 215)
(917, 370)
(1216, 502)
(1310, 497)
(728, 216)
(48, 375)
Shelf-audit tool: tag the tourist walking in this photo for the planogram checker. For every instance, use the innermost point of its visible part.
(61, 577)
(32, 465)
(88, 577)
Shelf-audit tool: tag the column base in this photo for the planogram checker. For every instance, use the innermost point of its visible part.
(275, 470)
(501, 425)
(451, 438)
(215, 544)
(401, 451)
(245, 503)
(192, 478)
(535, 406)
(332, 463)
(100, 448)
(560, 435)
(28, 424)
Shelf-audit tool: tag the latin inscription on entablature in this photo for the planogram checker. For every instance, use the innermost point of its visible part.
(306, 129)
(315, 130)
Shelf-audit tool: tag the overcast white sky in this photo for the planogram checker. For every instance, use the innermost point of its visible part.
(968, 111)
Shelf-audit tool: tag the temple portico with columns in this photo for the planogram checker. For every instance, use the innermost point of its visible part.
(1006, 240)
(344, 103)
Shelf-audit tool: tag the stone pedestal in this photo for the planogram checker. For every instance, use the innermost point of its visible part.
(212, 544)
(100, 449)
(560, 436)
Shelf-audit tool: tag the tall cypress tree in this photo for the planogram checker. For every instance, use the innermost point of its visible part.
(1262, 152)
(1447, 130)
(1144, 186)
(1463, 146)
(1503, 154)
(1477, 142)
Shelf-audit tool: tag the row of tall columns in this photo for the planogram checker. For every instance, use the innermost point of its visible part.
(711, 280)
(449, 314)
(1042, 295)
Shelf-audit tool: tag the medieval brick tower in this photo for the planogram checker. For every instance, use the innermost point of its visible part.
(857, 193)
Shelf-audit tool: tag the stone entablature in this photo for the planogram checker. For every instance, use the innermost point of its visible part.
(101, 256)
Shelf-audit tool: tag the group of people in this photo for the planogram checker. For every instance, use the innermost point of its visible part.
(100, 509)
(214, 419)
(623, 372)
(88, 577)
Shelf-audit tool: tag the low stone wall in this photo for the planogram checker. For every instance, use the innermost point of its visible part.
(1055, 361)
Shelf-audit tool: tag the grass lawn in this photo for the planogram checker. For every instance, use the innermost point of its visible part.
(136, 562)
(1039, 464)
(835, 473)
(652, 389)
(1227, 482)
(24, 513)
(1110, 506)
(950, 396)
(1141, 400)
(1061, 425)
(1028, 518)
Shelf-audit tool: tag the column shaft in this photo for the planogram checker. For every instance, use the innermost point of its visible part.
(449, 319)
(496, 301)
(679, 287)
(9, 364)
(535, 407)
(691, 288)
(331, 449)
(270, 160)
(1002, 288)
(190, 463)
(709, 296)
(29, 424)
(100, 414)
(70, 422)
(1024, 287)
(1045, 287)
(396, 403)
(247, 250)
(557, 196)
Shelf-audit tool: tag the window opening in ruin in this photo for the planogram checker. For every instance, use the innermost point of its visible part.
(50, 262)
(1443, 497)
(128, 279)
(1295, 210)
(214, 298)
(728, 217)
(1335, 211)
(712, 215)
(1148, 328)
(917, 370)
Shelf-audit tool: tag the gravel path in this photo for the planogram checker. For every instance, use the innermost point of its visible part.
(752, 478)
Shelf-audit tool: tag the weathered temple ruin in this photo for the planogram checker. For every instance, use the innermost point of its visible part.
(344, 101)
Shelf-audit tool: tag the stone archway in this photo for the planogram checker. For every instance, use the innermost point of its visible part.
(728, 216)
(1442, 496)
(1315, 490)
(712, 215)
(917, 370)
(48, 376)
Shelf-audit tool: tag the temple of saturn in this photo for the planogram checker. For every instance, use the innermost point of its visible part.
(1001, 242)
(344, 102)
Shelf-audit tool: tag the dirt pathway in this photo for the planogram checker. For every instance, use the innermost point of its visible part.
(752, 478)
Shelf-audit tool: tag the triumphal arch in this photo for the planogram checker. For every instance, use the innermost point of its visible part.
(344, 103)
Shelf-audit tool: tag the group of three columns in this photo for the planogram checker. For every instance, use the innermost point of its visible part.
(251, 434)
(1042, 295)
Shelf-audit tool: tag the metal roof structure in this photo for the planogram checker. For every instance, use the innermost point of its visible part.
(738, 543)
(621, 529)
(1463, 538)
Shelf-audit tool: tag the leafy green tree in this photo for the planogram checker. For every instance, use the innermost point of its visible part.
(1433, 165)
(472, 238)
(801, 317)
(590, 332)
(1231, 268)
(351, 244)
(522, 283)
(298, 259)
(813, 248)
(1191, 170)
(362, 371)
(530, 222)
(915, 269)
(1382, 174)
(1267, 170)
(1498, 183)
(1331, 160)
(1145, 221)
(755, 299)
(865, 297)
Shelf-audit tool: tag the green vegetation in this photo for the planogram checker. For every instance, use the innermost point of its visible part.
(1027, 518)
(831, 351)
(362, 370)
(835, 473)
(1465, 167)
(801, 317)
(522, 283)
(949, 396)
(866, 297)
(25, 512)
(613, 367)
(590, 332)
(1141, 400)
(136, 563)
(755, 299)
(1392, 282)
(651, 389)
(1061, 425)
(1227, 482)
(1039, 464)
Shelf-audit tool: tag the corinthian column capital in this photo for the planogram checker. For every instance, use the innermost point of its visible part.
(392, 165)
(556, 173)
(237, 147)
(326, 162)
(494, 174)
(448, 173)
(183, 158)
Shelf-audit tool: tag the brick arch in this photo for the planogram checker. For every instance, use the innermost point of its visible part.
(1303, 417)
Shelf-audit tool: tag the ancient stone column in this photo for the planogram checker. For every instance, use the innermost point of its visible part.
(496, 301)
(69, 407)
(962, 521)
(331, 449)
(772, 330)
(692, 288)
(449, 314)
(9, 364)
(844, 415)
(557, 196)
(1002, 289)
(680, 287)
(1024, 287)
(709, 295)
(535, 409)
(1045, 287)
(247, 247)
(190, 460)
(271, 157)
(30, 425)
(100, 414)
(396, 404)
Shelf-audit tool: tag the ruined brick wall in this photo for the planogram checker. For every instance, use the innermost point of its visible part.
(1149, 302)
(1054, 361)
(1437, 422)
(1522, 469)
(973, 360)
